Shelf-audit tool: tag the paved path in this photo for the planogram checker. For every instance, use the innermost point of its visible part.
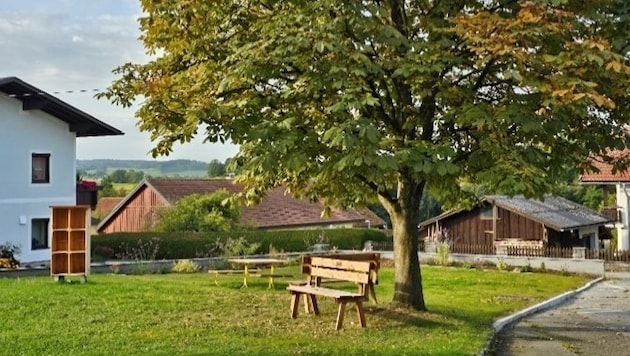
(595, 322)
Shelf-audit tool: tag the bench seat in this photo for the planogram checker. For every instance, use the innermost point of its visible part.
(327, 292)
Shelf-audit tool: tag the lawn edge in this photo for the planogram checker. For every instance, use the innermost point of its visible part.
(500, 324)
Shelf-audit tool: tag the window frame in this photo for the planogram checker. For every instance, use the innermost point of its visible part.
(46, 225)
(46, 178)
(484, 212)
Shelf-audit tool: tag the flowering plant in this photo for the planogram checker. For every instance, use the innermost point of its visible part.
(87, 184)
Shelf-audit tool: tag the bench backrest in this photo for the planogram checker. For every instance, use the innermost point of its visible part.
(344, 270)
(373, 258)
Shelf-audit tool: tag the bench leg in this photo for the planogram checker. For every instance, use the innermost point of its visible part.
(307, 303)
(295, 301)
(313, 299)
(361, 315)
(372, 292)
(340, 314)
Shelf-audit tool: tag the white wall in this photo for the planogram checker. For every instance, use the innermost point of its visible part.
(594, 267)
(623, 202)
(23, 133)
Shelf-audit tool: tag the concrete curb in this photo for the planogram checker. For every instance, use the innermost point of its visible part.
(547, 304)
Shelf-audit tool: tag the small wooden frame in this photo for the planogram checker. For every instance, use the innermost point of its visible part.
(336, 269)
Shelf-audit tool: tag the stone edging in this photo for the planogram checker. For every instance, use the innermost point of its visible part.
(550, 303)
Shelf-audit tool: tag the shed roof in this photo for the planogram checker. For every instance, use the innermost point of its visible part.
(555, 212)
(275, 210)
(32, 98)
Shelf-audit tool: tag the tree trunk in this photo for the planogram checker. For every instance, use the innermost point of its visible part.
(408, 278)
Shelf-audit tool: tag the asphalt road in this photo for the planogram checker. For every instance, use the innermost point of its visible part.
(594, 322)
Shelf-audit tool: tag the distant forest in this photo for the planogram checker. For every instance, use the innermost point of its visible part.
(181, 167)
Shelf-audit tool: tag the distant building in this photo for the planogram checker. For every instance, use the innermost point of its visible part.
(621, 181)
(518, 221)
(277, 210)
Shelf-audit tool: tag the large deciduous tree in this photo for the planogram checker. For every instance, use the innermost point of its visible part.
(343, 101)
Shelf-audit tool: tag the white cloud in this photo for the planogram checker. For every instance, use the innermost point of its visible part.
(70, 45)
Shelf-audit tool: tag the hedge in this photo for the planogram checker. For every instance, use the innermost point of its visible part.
(179, 245)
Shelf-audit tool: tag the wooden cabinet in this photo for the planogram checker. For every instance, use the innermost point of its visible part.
(70, 242)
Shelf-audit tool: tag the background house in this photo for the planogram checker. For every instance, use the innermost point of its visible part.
(38, 156)
(517, 221)
(137, 212)
(621, 180)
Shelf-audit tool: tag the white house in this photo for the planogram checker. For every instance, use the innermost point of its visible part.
(37, 162)
(604, 175)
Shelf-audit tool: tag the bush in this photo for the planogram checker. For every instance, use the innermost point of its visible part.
(183, 245)
(185, 266)
(443, 252)
(501, 265)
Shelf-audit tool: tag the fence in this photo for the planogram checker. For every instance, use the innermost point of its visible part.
(523, 251)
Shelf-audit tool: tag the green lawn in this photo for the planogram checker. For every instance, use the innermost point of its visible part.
(188, 314)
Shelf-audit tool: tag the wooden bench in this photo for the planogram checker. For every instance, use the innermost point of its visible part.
(373, 258)
(337, 269)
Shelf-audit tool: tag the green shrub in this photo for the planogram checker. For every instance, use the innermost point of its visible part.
(501, 265)
(185, 266)
(526, 268)
(183, 245)
(443, 253)
(543, 268)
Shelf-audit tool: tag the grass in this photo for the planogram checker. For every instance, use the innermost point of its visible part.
(126, 186)
(188, 314)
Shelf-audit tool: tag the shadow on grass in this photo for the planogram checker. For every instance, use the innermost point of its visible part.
(406, 317)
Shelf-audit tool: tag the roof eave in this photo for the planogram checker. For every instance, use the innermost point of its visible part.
(88, 125)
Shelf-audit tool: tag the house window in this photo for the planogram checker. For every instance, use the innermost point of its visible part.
(40, 168)
(487, 212)
(39, 234)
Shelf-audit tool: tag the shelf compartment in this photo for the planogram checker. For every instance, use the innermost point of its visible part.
(77, 241)
(60, 218)
(77, 263)
(78, 217)
(60, 241)
(59, 264)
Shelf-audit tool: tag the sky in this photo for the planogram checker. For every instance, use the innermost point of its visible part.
(73, 45)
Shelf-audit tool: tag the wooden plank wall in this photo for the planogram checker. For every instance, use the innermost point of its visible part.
(472, 229)
(469, 228)
(515, 226)
(138, 214)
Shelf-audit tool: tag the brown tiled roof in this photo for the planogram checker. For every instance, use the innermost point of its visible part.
(605, 174)
(275, 210)
(375, 220)
(106, 205)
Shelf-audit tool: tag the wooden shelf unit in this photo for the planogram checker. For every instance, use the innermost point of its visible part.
(70, 241)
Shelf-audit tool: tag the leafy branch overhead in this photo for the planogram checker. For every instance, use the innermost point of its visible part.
(347, 101)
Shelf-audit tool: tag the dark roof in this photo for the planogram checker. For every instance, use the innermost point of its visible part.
(605, 172)
(275, 210)
(32, 98)
(555, 212)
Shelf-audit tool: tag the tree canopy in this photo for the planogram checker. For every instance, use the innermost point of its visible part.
(201, 213)
(348, 101)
